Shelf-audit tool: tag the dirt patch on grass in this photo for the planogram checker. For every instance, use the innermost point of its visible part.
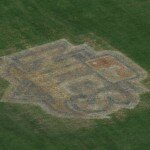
(72, 81)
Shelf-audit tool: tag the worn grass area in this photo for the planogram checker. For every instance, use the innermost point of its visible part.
(105, 24)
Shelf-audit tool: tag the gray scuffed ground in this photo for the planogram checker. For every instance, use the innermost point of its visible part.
(72, 81)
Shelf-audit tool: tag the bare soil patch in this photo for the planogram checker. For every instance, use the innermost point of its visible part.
(72, 81)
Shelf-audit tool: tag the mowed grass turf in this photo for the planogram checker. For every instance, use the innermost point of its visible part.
(118, 24)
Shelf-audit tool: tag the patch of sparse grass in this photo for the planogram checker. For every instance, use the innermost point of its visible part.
(3, 85)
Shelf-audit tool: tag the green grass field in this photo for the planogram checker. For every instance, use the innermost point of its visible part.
(104, 24)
